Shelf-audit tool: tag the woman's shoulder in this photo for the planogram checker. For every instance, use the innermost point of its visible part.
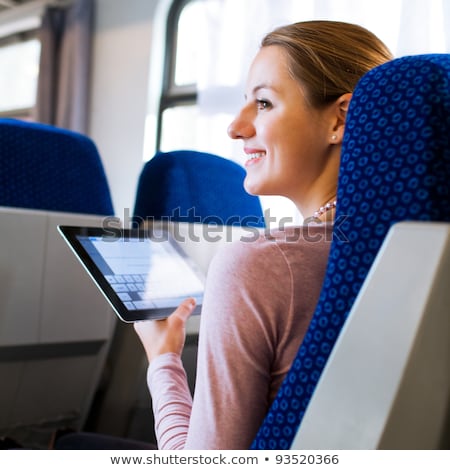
(266, 247)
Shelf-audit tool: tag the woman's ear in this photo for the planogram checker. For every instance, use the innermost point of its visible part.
(340, 114)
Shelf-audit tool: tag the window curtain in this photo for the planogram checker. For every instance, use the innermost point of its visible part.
(62, 91)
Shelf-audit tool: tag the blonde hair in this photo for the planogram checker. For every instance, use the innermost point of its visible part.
(328, 57)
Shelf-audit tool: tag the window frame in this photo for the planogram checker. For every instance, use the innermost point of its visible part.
(17, 38)
(173, 95)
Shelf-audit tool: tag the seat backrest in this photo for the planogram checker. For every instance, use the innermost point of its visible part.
(195, 187)
(48, 168)
(55, 326)
(395, 166)
(387, 383)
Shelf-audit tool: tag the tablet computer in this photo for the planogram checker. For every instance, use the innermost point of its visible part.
(144, 274)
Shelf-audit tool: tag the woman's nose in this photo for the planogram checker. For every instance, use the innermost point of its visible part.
(241, 127)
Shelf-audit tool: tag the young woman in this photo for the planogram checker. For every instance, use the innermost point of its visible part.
(260, 295)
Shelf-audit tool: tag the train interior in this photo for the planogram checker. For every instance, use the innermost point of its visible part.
(94, 95)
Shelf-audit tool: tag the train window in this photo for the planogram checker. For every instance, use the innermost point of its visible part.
(19, 61)
(186, 52)
(179, 118)
(178, 109)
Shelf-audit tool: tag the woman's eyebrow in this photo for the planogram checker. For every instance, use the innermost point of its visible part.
(262, 86)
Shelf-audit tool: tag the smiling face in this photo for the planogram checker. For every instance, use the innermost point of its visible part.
(289, 144)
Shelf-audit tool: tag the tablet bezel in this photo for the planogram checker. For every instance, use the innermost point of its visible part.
(70, 234)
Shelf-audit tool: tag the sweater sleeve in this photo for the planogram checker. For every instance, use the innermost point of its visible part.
(171, 400)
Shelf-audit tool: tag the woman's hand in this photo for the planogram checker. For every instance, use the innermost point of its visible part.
(168, 335)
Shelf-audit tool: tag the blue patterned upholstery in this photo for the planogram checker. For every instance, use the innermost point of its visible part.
(47, 168)
(395, 166)
(190, 186)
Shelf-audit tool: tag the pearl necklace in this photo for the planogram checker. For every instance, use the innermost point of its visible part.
(327, 207)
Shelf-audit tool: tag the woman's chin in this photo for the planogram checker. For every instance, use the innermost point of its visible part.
(251, 187)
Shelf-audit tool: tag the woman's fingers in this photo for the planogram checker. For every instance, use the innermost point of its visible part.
(168, 335)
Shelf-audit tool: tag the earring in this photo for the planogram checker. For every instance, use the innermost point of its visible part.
(334, 137)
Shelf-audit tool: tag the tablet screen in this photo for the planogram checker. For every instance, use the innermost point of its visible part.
(143, 274)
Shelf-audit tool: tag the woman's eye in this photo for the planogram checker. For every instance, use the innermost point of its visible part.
(262, 104)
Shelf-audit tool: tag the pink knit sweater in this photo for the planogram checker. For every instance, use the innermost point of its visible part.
(259, 299)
